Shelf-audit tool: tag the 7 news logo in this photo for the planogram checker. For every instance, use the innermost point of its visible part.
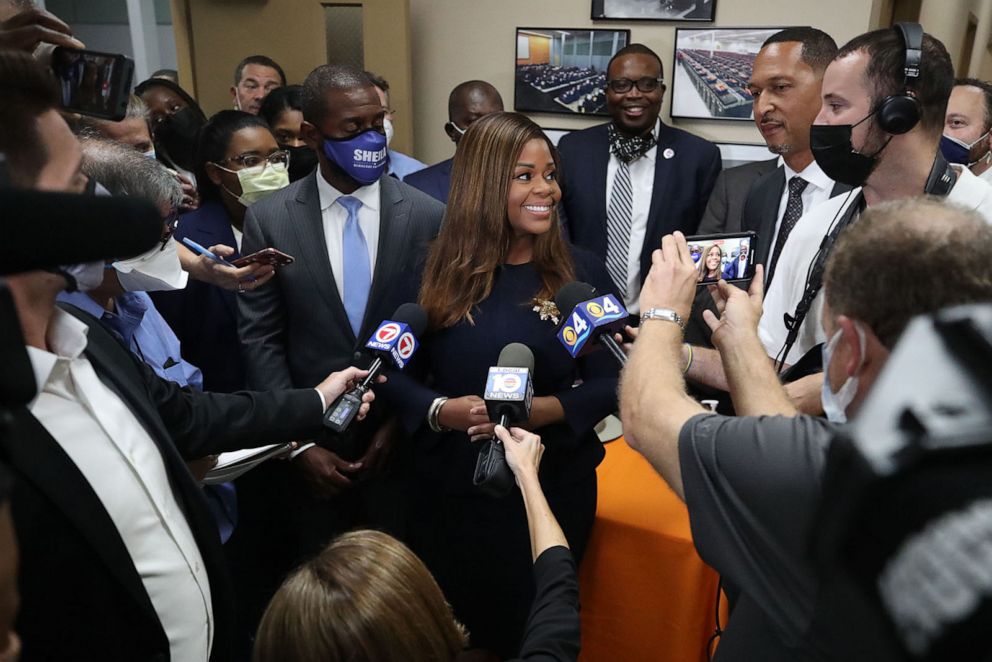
(396, 339)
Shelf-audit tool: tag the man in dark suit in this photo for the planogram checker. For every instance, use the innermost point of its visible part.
(737, 266)
(627, 183)
(120, 559)
(356, 235)
(726, 206)
(467, 102)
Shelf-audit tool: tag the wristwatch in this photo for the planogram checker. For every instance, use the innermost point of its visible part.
(666, 314)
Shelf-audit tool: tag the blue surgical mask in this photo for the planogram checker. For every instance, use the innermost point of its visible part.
(958, 151)
(362, 157)
(835, 404)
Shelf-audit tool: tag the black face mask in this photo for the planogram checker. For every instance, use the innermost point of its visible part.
(836, 156)
(302, 161)
(175, 138)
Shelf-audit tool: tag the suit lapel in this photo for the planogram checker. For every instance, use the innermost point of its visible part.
(839, 189)
(659, 192)
(394, 228)
(43, 463)
(307, 221)
(596, 173)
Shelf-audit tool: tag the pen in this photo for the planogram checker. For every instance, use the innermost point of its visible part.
(203, 251)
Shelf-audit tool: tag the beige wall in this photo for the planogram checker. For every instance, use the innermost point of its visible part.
(213, 35)
(457, 40)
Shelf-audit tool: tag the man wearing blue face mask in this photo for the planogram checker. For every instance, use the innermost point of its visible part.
(355, 234)
(968, 126)
(752, 483)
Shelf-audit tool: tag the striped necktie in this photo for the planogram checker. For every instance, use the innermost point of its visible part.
(618, 220)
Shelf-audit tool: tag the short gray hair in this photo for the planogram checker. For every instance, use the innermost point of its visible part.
(125, 172)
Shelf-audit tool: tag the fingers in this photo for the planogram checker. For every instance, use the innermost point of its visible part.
(718, 299)
(478, 410)
(682, 248)
(711, 320)
(351, 374)
(756, 290)
(482, 431)
(502, 433)
(363, 411)
(222, 250)
(669, 251)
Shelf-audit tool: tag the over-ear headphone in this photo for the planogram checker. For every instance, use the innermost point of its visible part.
(900, 112)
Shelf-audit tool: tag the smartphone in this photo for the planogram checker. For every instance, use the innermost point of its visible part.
(93, 83)
(726, 256)
(265, 256)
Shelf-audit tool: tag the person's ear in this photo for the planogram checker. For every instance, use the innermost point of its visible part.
(851, 349)
(311, 136)
(449, 128)
(214, 173)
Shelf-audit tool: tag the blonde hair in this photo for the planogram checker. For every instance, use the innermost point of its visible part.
(366, 597)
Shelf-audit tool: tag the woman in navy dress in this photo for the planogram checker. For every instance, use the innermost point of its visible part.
(489, 281)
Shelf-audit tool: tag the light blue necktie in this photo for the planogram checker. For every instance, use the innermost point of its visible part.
(357, 270)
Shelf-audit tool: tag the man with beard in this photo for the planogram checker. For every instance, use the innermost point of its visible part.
(968, 126)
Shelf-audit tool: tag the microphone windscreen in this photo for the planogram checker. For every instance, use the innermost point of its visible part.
(414, 316)
(516, 355)
(572, 294)
(43, 230)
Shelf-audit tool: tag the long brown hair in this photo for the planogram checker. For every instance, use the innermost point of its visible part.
(475, 236)
(365, 598)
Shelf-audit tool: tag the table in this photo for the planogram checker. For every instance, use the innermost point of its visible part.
(645, 593)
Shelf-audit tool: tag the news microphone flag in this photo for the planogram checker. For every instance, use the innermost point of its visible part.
(587, 319)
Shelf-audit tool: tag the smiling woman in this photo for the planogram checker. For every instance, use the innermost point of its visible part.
(500, 252)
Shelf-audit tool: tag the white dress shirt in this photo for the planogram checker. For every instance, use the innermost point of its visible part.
(334, 217)
(789, 283)
(642, 187)
(124, 467)
(817, 190)
(238, 235)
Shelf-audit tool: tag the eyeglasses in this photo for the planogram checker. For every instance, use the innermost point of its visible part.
(624, 85)
(251, 160)
(171, 222)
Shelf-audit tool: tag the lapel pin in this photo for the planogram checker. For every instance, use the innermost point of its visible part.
(668, 153)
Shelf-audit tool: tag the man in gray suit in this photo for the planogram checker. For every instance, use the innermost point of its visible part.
(356, 235)
(785, 82)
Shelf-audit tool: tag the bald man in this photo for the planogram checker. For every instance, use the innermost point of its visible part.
(467, 102)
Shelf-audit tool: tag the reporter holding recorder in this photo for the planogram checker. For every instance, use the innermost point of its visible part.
(368, 597)
(489, 279)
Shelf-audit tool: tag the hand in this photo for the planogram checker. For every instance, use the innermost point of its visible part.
(191, 197)
(740, 311)
(200, 467)
(671, 283)
(632, 332)
(324, 472)
(25, 30)
(806, 394)
(337, 383)
(240, 279)
(12, 651)
(380, 448)
(463, 413)
(523, 451)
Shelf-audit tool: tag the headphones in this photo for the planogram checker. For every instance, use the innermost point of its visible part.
(900, 112)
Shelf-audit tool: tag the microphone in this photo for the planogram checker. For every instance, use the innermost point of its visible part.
(394, 341)
(589, 319)
(509, 393)
(51, 229)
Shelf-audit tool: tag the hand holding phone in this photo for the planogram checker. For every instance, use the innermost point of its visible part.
(200, 250)
(93, 83)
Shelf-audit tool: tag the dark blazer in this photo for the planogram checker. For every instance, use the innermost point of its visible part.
(434, 180)
(761, 211)
(294, 329)
(203, 316)
(81, 596)
(682, 185)
(726, 205)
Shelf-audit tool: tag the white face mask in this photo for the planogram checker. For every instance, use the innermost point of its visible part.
(387, 125)
(156, 270)
(835, 404)
(87, 276)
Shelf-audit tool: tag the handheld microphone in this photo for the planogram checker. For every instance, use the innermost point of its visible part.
(589, 319)
(394, 341)
(508, 396)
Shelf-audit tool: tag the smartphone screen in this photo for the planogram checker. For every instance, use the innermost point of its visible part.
(728, 256)
(93, 83)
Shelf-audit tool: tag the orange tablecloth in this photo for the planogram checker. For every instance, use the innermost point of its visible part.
(645, 593)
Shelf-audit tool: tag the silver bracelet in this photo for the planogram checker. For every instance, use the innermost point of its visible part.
(434, 412)
(666, 314)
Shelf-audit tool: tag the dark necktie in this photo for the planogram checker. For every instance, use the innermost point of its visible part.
(793, 212)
